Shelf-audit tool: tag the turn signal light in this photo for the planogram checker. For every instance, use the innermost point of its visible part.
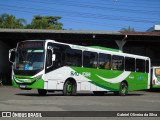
(153, 82)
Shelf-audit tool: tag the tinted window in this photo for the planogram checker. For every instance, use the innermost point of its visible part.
(90, 59)
(59, 57)
(59, 51)
(140, 65)
(129, 64)
(73, 57)
(147, 66)
(117, 62)
(104, 61)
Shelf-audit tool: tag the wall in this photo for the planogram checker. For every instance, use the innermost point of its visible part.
(5, 65)
(150, 49)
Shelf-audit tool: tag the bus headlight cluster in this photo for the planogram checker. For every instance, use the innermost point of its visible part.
(38, 77)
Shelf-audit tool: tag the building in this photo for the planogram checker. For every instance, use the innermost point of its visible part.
(155, 28)
(140, 43)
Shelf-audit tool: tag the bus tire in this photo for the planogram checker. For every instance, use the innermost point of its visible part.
(42, 92)
(69, 88)
(123, 90)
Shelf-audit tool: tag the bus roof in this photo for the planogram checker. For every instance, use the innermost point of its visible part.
(96, 49)
(107, 49)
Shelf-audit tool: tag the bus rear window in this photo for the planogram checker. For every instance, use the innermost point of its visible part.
(157, 71)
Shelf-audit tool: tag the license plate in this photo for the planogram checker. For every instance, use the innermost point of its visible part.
(22, 86)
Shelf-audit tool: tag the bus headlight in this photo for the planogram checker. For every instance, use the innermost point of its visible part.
(39, 77)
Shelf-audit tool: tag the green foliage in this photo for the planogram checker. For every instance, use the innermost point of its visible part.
(38, 22)
(45, 22)
(9, 21)
(129, 29)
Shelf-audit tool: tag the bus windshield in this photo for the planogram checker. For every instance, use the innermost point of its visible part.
(157, 72)
(29, 56)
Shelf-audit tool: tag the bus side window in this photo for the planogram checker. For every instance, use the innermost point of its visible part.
(90, 59)
(58, 61)
(140, 65)
(104, 61)
(117, 62)
(147, 66)
(73, 57)
(129, 64)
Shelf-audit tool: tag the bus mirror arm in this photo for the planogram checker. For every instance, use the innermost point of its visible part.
(12, 55)
(53, 57)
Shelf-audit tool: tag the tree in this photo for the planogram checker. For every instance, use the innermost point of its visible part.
(129, 29)
(2, 19)
(38, 22)
(10, 21)
(20, 23)
(45, 22)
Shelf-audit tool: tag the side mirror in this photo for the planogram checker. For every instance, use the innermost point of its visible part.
(50, 57)
(53, 57)
(12, 55)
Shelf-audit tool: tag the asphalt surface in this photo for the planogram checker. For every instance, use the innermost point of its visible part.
(13, 99)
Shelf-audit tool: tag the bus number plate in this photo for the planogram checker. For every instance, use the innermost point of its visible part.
(22, 86)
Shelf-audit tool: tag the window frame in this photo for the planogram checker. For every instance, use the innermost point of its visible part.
(110, 60)
(70, 49)
(141, 63)
(147, 66)
(122, 63)
(90, 59)
(134, 63)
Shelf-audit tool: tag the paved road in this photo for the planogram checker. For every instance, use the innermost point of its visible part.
(12, 99)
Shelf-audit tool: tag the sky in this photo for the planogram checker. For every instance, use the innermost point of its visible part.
(100, 15)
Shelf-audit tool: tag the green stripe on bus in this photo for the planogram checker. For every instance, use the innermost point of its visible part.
(135, 80)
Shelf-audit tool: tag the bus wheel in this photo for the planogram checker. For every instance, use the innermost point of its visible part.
(69, 88)
(123, 89)
(42, 92)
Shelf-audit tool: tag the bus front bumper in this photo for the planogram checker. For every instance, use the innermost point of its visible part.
(27, 82)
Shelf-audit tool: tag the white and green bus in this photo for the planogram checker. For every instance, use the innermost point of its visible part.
(47, 65)
(155, 77)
